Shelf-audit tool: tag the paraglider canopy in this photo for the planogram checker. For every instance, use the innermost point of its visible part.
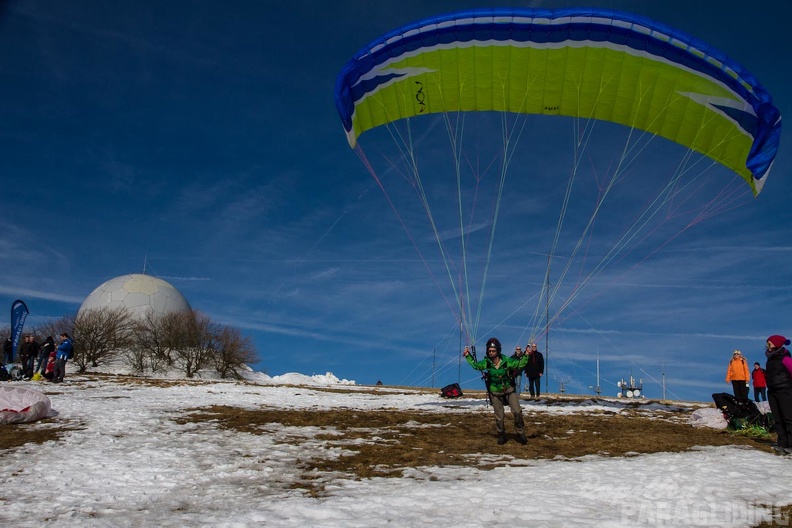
(587, 63)
(19, 405)
(463, 110)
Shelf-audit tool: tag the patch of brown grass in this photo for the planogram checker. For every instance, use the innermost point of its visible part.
(148, 381)
(782, 517)
(385, 443)
(16, 435)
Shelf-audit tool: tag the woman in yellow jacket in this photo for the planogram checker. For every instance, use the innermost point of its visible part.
(737, 374)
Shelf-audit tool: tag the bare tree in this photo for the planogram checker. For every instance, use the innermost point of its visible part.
(52, 328)
(150, 349)
(5, 335)
(100, 335)
(55, 327)
(232, 351)
(190, 339)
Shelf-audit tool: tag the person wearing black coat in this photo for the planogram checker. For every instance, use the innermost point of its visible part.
(8, 352)
(32, 354)
(534, 369)
(46, 348)
(28, 351)
(778, 374)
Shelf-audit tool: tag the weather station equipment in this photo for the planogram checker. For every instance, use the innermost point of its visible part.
(630, 389)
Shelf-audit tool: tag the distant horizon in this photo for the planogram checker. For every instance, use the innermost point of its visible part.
(120, 367)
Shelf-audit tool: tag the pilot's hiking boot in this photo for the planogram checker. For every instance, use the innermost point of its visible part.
(501, 439)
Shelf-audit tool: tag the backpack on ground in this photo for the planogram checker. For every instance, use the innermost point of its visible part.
(4, 375)
(741, 414)
(451, 391)
(16, 373)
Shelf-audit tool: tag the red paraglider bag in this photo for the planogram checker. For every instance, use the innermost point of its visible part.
(451, 391)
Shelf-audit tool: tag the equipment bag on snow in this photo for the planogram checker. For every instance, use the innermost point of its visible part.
(740, 414)
(16, 373)
(451, 391)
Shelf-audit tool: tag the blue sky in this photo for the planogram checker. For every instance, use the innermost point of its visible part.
(202, 139)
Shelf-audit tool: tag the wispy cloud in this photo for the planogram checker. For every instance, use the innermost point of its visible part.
(24, 293)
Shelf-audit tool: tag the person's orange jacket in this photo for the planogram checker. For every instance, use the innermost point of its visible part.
(738, 370)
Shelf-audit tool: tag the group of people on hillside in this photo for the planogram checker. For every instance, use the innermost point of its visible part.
(773, 383)
(740, 378)
(533, 370)
(503, 378)
(41, 360)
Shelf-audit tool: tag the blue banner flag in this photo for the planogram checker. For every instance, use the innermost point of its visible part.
(19, 312)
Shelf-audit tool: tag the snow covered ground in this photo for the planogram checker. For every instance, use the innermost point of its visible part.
(126, 461)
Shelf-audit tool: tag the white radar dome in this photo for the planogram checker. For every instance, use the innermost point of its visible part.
(138, 293)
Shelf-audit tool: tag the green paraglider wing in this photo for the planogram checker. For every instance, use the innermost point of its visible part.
(589, 64)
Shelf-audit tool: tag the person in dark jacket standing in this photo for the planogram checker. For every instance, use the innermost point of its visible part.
(8, 352)
(534, 369)
(778, 372)
(32, 354)
(46, 348)
(760, 385)
(24, 349)
(61, 356)
(28, 351)
(498, 371)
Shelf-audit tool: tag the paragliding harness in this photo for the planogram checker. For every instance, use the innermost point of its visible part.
(741, 414)
(15, 374)
(513, 373)
(485, 375)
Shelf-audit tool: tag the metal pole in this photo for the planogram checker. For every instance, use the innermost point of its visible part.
(547, 324)
(598, 372)
(434, 362)
(459, 352)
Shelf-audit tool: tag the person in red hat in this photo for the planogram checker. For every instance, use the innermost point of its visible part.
(778, 374)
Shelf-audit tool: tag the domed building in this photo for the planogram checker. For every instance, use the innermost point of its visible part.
(138, 293)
